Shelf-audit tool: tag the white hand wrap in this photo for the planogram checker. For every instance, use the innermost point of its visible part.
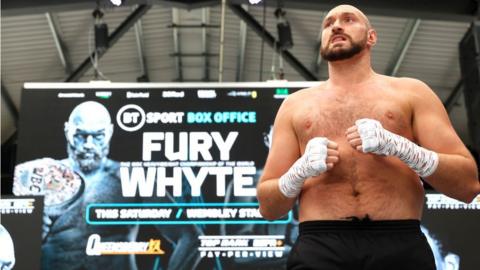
(312, 163)
(376, 139)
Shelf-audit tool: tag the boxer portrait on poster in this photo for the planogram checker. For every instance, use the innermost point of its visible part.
(88, 176)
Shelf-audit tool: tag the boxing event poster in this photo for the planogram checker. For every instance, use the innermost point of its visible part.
(451, 228)
(20, 230)
(152, 176)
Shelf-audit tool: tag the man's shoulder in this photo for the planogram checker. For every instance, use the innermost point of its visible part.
(111, 166)
(405, 83)
(416, 91)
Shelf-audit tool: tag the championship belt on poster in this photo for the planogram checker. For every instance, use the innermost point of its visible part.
(57, 182)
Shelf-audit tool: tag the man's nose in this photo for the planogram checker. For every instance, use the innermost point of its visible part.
(337, 28)
(89, 142)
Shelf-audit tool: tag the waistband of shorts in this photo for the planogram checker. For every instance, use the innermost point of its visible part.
(404, 225)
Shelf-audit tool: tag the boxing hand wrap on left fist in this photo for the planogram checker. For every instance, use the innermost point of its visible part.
(376, 139)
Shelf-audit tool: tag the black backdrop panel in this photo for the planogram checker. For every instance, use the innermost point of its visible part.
(177, 188)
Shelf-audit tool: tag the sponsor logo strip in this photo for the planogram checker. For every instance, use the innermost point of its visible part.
(440, 201)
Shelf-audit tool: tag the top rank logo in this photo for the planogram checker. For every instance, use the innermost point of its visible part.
(131, 117)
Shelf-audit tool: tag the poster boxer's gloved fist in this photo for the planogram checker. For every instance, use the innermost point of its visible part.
(320, 155)
(369, 136)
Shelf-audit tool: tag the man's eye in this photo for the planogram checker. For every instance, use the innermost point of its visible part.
(99, 137)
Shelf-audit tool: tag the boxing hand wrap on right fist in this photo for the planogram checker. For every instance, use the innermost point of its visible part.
(312, 163)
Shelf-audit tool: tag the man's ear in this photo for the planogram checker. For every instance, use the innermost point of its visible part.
(109, 132)
(371, 37)
(66, 127)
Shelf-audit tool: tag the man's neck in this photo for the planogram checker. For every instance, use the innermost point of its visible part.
(352, 71)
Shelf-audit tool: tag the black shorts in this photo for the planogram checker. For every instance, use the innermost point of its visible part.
(361, 245)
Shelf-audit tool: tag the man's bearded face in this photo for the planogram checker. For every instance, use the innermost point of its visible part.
(88, 149)
(332, 52)
(88, 132)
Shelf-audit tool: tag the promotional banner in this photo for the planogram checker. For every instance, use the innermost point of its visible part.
(152, 176)
(20, 232)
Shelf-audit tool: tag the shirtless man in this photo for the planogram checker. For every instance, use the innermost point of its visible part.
(352, 150)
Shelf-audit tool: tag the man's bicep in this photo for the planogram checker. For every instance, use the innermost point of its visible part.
(432, 127)
(284, 150)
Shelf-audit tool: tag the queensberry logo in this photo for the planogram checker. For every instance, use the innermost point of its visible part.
(95, 247)
(247, 117)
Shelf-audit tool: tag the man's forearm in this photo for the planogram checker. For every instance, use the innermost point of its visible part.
(278, 195)
(456, 176)
(273, 204)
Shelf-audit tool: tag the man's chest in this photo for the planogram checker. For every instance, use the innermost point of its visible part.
(331, 116)
(103, 188)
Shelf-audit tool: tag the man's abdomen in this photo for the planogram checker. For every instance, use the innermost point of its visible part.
(363, 184)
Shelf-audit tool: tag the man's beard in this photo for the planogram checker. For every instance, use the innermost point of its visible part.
(87, 162)
(342, 54)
